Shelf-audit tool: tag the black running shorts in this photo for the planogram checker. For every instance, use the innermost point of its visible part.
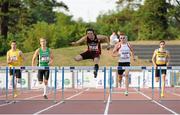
(120, 72)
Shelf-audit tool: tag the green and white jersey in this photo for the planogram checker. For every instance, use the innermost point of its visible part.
(44, 57)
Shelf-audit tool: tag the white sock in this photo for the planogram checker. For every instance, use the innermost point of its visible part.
(45, 89)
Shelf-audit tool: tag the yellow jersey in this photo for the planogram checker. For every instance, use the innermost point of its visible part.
(15, 56)
(161, 56)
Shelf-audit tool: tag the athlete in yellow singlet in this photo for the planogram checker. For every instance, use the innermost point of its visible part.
(161, 57)
(15, 58)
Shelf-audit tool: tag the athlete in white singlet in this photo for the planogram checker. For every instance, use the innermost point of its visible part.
(124, 51)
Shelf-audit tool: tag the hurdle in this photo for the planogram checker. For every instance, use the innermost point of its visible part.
(138, 68)
(107, 73)
(88, 68)
(175, 80)
(5, 69)
(26, 68)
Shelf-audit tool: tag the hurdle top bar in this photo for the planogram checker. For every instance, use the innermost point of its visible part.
(31, 67)
(131, 67)
(121, 67)
(81, 67)
(145, 67)
(92, 67)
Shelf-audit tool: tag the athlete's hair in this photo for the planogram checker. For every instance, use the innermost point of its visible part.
(162, 42)
(122, 33)
(42, 38)
(90, 29)
(13, 41)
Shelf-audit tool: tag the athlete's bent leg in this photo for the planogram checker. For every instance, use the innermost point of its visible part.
(157, 79)
(78, 58)
(96, 66)
(126, 81)
(119, 80)
(13, 82)
(163, 84)
(45, 89)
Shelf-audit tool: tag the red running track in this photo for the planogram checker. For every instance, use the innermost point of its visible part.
(91, 101)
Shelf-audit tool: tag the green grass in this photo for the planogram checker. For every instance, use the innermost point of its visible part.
(64, 57)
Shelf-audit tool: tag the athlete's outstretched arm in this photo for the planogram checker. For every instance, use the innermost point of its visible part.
(132, 52)
(22, 55)
(51, 58)
(104, 38)
(115, 50)
(83, 39)
(8, 58)
(168, 58)
(35, 56)
(154, 58)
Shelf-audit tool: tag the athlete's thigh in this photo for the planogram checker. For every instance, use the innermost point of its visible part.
(96, 60)
(78, 58)
(40, 75)
(46, 74)
(18, 73)
(11, 71)
(87, 55)
(157, 73)
(163, 71)
(126, 72)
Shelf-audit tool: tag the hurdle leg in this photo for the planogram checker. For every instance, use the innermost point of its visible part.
(160, 80)
(55, 84)
(7, 85)
(104, 84)
(110, 84)
(175, 82)
(152, 83)
(63, 85)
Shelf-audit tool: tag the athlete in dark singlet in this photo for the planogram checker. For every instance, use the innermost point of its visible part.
(93, 50)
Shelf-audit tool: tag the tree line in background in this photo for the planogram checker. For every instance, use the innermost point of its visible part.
(27, 20)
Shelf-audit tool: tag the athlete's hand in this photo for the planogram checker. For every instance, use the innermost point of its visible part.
(115, 54)
(11, 60)
(50, 63)
(20, 53)
(155, 66)
(33, 69)
(108, 47)
(73, 43)
(134, 59)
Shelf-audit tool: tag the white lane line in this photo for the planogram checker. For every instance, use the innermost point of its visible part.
(11, 102)
(107, 106)
(6, 104)
(22, 99)
(19, 101)
(9, 94)
(168, 109)
(4, 95)
(58, 103)
(176, 94)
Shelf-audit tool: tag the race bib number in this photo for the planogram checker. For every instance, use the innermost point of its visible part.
(162, 59)
(13, 58)
(44, 58)
(125, 55)
(93, 48)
